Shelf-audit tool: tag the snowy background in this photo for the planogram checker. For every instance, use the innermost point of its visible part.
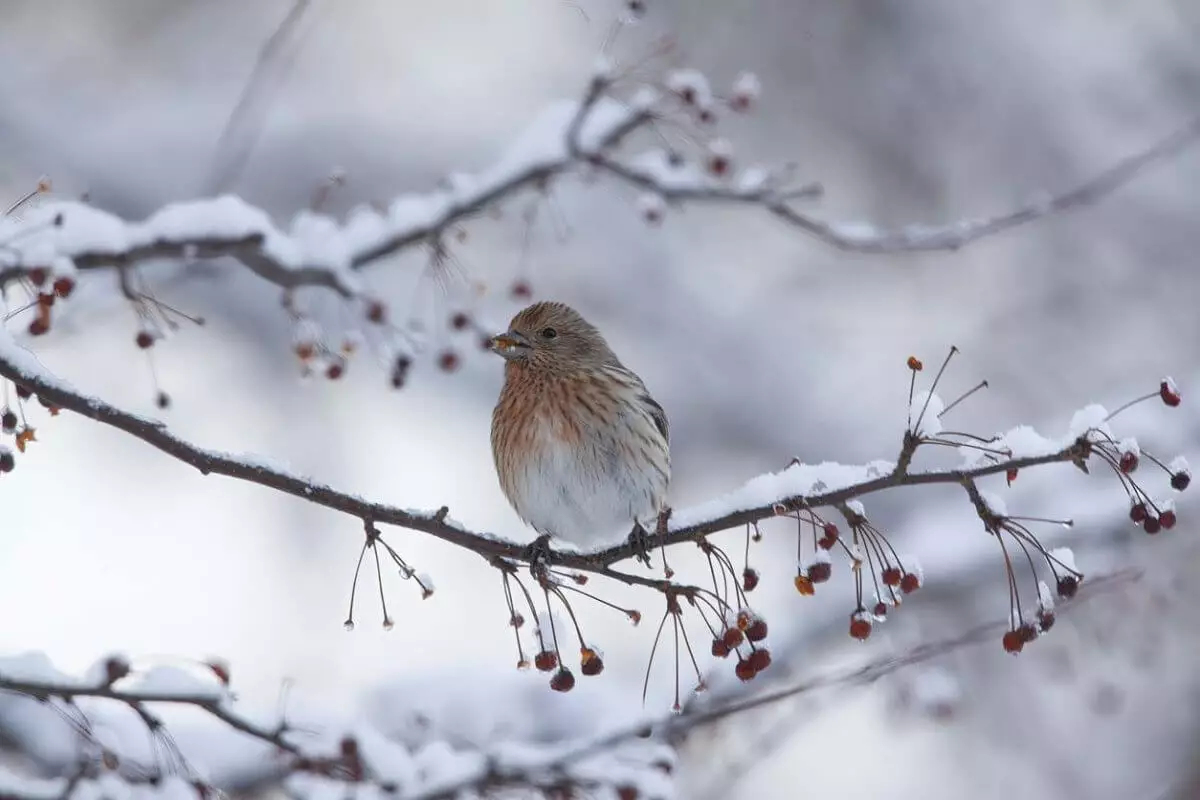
(762, 345)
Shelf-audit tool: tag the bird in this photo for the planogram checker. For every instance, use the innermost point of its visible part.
(581, 448)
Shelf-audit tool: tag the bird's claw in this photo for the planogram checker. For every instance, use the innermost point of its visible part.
(639, 540)
(537, 554)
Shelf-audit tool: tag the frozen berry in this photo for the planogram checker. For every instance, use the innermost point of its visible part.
(757, 630)
(563, 681)
(1168, 393)
(144, 339)
(545, 660)
(891, 576)
(880, 609)
(1137, 512)
(591, 664)
(760, 659)
(1181, 480)
(1046, 620)
(1129, 462)
(860, 627)
(909, 583)
(749, 579)
(1151, 525)
(745, 671)
(733, 637)
(719, 648)
(1167, 518)
(820, 572)
(1068, 585)
(804, 585)
(1013, 642)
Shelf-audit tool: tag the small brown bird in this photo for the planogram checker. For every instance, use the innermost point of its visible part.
(581, 448)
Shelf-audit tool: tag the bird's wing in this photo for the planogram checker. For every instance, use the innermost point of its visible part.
(657, 414)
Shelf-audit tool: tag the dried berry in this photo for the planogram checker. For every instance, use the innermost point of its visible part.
(915, 364)
(1068, 585)
(880, 609)
(719, 648)
(749, 579)
(1180, 480)
(1168, 393)
(733, 637)
(820, 572)
(563, 681)
(1137, 512)
(144, 339)
(909, 583)
(760, 659)
(1167, 519)
(891, 576)
(804, 585)
(1151, 525)
(757, 630)
(1129, 462)
(460, 321)
(591, 663)
(745, 671)
(1046, 620)
(860, 627)
(545, 660)
(376, 312)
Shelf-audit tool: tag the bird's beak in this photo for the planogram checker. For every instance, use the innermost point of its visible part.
(509, 345)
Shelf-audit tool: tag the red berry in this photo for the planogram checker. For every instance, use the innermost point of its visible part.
(376, 312)
(1137, 512)
(336, 369)
(909, 583)
(1046, 620)
(745, 671)
(7, 462)
(545, 660)
(591, 663)
(521, 290)
(39, 325)
(1167, 518)
(448, 361)
(1027, 632)
(1013, 642)
(718, 164)
(1181, 480)
(8, 421)
(1129, 462)
(37, 276)
(1168, 393)
(1068, 585)
(733, 637)
(880, 609)
(830, 538)
(1151, 525)
(757, 630)
(1011, 476)
(144, 339)
(45, 299)
(719, 648)
(460, 321)
(860, 627)
(64, 286)
(760, 659)
(820, 572)
(804, 585)
(749, 579)
(563, 681)
(891, 576)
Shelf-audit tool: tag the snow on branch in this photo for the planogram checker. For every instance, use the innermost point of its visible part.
(810, 496)
(60, 238)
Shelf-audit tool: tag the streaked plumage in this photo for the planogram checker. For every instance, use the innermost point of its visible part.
(581, 448)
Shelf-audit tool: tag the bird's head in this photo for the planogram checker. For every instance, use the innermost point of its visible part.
(552, 336)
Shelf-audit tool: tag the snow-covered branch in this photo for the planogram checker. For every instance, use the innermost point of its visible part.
(57, 239)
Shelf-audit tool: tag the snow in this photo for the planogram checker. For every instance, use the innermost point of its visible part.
(59, 233)
(927, 423)
(994, 503)
(1064, 556)
(796, 480)
(1025, 442)
(166, 680)
(748, 86)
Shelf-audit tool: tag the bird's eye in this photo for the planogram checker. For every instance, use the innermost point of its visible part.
(549, 333)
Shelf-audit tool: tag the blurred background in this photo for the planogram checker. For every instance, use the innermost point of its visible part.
(762, 344)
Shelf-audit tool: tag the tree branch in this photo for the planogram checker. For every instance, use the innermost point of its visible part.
(785, 492)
